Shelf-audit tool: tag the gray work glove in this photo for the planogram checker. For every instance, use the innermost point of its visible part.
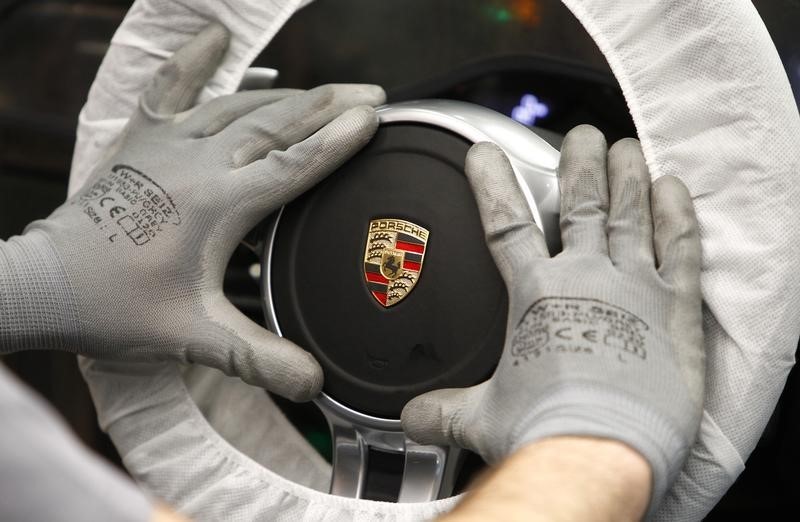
(603, 340)
(131, 267)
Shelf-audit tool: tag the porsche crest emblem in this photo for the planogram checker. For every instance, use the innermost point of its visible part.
(393, 258)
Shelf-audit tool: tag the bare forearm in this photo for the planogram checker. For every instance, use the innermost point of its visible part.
(162, 513)
(562, 479)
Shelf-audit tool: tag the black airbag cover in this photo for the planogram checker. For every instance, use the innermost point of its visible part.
(448, 332)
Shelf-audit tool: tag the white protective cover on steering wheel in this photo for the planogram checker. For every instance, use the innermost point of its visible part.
(712, 106)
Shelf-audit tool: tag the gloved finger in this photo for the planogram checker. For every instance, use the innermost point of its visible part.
(676, 234)
(584, 191)
(291, 120)
(178, 82)
(438, 417)
(232, 343)
(630, 223)
(210, 118)
(511, 234)
(283, 175)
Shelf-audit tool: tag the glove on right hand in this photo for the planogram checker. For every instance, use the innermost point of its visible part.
(603, 340)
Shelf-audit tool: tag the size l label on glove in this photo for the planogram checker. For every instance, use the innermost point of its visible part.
(558, 325)
(128, 206)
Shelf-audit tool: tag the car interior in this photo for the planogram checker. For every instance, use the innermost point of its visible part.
(530, 60)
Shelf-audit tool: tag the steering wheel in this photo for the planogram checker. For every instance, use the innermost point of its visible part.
(712, 106)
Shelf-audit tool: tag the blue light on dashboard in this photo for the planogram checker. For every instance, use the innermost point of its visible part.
(529, 110)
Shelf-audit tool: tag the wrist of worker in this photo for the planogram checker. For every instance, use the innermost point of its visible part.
(37, 307)
(597, 411)
(561, 478)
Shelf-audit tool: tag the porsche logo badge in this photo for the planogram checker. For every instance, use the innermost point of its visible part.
(393, 258)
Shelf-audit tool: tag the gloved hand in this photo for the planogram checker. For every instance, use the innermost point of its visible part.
(605, 339)
(131, 267)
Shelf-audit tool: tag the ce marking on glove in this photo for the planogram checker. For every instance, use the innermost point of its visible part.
(115, 209)
(567, 334)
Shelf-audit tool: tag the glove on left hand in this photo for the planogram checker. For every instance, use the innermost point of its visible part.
(131, 267)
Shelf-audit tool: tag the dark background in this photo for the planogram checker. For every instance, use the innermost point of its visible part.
(490, 52)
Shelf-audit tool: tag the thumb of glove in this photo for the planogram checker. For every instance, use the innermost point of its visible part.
(234, 344)
(440, 416)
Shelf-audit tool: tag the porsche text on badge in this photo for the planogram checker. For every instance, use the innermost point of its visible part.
(393, 258)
